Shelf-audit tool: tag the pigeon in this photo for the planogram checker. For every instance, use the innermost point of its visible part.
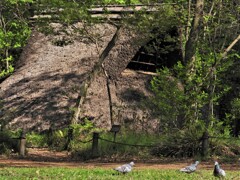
(218, 172)
(126, 168)
(191, 168)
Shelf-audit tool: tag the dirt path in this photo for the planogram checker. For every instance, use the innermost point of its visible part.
(45, 158)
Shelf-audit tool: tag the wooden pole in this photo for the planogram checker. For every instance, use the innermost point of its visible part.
(115, 134)
(22, 144)
(114, 139)
(95, 144)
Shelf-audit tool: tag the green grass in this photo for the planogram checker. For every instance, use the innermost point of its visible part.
(99, 173)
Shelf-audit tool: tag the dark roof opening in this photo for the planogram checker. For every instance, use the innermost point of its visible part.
(162, 51)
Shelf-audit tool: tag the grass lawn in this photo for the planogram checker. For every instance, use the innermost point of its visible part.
(100, 173)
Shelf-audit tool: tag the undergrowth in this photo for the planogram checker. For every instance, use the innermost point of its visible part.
(127, 144)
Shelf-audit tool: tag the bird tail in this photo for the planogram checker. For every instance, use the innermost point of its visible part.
(183, 170)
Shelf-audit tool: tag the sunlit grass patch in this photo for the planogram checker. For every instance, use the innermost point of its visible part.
(100, 173)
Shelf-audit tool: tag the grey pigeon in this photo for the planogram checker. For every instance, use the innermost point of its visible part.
(126, 168)
(191, 168)
(218, 172)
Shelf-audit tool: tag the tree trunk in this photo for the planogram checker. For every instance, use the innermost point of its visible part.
(191, 44)
(92, 76)
(205, 144)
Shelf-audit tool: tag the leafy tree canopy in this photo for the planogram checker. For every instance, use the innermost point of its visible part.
(14, 31)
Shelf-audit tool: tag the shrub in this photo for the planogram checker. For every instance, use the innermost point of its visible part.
(130, 144)
(7, 143)
(80, 144)
(57, 140)
(36, 140)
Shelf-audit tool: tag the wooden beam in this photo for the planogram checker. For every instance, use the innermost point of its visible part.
(144, 63)
(120, 10)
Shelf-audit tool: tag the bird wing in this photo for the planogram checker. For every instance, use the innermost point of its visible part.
(222, 172)
(127, 169)
(189, 169)
(124, 168)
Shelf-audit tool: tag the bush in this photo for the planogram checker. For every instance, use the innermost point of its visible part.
(179, 144)
(7, 143)
(58, 139)
(127, 146)
(36, 140)
(227, 148)
(81, 140)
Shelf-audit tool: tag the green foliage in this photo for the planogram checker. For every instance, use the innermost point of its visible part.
(169, 99)
(7, 142)
(82, 137)
(154, 24)
(220, 24)
(224, 148)
(14, 31)
(129, 150)
(180, 102)
(72, 138)
(58, 139)
(235, 112)
(36, 140)
(113, 151)
(180, 97)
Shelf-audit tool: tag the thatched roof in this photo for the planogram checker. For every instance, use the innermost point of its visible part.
(43, 90)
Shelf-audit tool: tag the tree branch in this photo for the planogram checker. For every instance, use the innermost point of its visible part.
(230, 47)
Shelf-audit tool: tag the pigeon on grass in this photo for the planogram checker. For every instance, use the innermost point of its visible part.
(191, 168)
(218, 172)
(126, 168)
